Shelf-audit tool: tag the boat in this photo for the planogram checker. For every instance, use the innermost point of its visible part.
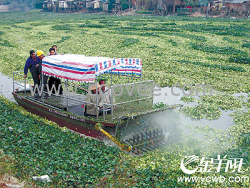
(79, 72)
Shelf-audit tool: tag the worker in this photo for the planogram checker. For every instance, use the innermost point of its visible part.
(106, 96)
(32, 64)
(57, 83)
(40, 55)
(55, 47)
(53, 80)
(44, 78)
(94, 98)
(52, 51)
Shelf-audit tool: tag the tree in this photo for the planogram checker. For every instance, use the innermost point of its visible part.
(5, 2)
(192, 2)
(123, 3)
(129, 3)
(38, 4)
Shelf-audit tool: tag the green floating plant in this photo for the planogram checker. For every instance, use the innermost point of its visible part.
(188, 99)
(202, 111)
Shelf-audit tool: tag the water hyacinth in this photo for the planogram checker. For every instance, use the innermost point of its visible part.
(174, 50)
(203, 110)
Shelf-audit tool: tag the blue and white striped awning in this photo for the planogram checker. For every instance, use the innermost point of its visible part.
(82, 68)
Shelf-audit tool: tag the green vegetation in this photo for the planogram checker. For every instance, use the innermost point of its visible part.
(63, 39)
(144, 12)
(210, 107)
(246, 45)
(214, 49)
(173, 50)
(40, 147)
(224, 102)
(159, 105)
(239, 59)
(161, 41)
(188, 99)
(195, 37)
(62, 27)
(229, 40)
(203, 110)
(222, 67)
(129, 41)
(218, 29)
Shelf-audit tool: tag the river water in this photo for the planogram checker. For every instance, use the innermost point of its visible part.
(6, 87)
(166, 96)
(173, 122)
(224, 122)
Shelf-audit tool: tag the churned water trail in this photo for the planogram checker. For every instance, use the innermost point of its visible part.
(182, 128)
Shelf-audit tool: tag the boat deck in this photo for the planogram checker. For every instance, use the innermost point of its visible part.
(71, 102)
(74, 104)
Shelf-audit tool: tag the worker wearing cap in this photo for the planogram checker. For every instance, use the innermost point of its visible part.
(94, 98)
(106, 96)
(40, 55)
(32, 64)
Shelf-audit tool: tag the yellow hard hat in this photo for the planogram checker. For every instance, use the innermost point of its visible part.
(39, 53)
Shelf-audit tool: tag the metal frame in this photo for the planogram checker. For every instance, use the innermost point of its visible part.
(112, 87)
(14, 82)
(30, 98)
(80, 102)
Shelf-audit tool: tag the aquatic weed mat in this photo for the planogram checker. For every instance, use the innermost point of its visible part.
(173, 50)
(43, 148)
(40, 147)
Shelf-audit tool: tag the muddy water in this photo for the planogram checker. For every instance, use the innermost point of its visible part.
(224, 122)
(6, 87)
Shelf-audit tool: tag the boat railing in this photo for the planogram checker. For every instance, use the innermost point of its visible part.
(105, 108)
(130, 99)
(117, 108)
(23, 84)
(19, 82)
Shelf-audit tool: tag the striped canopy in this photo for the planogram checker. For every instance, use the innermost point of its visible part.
(82, 68)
